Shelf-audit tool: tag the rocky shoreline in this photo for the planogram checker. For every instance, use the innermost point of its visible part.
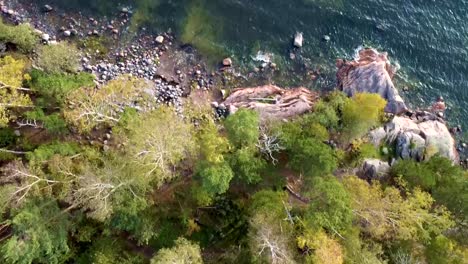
(177, 69)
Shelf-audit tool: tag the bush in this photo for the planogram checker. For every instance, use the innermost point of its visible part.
(62, 57)
(22, 36)
(57, 86)
(54, 123)
(360, 114)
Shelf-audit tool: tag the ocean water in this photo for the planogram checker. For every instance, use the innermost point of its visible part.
(427, 38)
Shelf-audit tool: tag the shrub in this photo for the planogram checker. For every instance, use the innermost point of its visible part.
(361, 113)
(62, 57)
(22, 36)
(57, 86)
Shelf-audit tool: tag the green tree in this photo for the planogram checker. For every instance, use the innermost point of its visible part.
(311, 157)
(330, 206)
(39, 234)
(184, 252)
(360, 114)
(59, 58)
(211, 144)
(215, 177)
(22, 36)
(247, 165)
(243, 128)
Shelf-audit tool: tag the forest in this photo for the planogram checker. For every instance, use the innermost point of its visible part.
(109, 175)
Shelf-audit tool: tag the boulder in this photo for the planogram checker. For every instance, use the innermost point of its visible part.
(298, 39)
(374, 169)
(377, 136)
(48, 8)
(227, 62)
(159, 39)
(439, 139)
(371, 72)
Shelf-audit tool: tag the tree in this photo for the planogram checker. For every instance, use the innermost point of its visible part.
(212, 146)
(311, 157)
(158, 141)
(385, 215)
(215, 177)
(320, 248)
(184, 252)
(59, 58)
(448, 183)
(247, 165)
(243, 128)
(330, 206)
(89, 108)
(22, 36)
(39, 234)
(361, 113)
(269, 232)
(11, 97)
(442, 250)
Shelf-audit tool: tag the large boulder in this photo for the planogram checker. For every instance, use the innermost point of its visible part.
(370, 72)
(272, 102)
(374, 169)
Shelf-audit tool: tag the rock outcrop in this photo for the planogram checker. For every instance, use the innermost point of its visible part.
(272, 102)
(371, 72)
(417, 138)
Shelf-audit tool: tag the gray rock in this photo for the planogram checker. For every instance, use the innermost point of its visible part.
(374, 169)
(410, 146)
(326, 38)
(377, 136)
(67, 33)
(48, 8)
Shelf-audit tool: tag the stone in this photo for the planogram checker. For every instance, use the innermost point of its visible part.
(385, 151)
(374, 169)
(214, 104)
(67, 33)
(159, 39)
(17, 133)
(326, 38)
(371, 72)
(45, 37)
(410, 146)
(227, 62)
(124, 10)
(48, 8)
(298, 40)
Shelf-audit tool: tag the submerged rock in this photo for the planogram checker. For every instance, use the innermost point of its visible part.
(298, 39)
(371, 72)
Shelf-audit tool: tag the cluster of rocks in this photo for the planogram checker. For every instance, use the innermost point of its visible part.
(169, 93)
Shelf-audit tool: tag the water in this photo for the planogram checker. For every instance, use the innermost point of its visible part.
(428, 38)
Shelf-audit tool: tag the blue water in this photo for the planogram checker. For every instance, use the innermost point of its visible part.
(428, 38)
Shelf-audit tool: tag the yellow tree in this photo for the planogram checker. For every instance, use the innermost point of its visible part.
(158, 141)
(361, 113)
(11, 95)
(89, 107)
(384, 214)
